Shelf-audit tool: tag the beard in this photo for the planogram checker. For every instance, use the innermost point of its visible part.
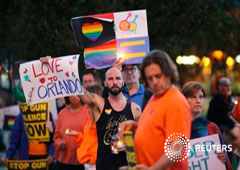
(115, 92)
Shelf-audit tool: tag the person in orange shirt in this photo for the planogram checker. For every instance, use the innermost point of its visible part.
(88, 141)
(167, 113)
(71, 121)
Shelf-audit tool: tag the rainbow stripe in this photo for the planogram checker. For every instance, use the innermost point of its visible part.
(92, 31)
(10, 122)
(101, 56)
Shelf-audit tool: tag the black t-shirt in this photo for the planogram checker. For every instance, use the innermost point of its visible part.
(107, 126)
(219, 111)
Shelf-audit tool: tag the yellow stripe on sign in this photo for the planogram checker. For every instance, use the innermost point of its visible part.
(134, 55)
(132, 43)
(92, 30)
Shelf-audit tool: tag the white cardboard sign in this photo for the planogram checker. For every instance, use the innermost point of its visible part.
(205, 158)
(58, 78)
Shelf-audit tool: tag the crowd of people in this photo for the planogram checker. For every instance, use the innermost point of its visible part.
(153, 110)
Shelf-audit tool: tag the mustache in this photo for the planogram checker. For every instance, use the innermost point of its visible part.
(114, 87)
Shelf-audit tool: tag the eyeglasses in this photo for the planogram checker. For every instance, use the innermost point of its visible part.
(226, 85)
(131, 70)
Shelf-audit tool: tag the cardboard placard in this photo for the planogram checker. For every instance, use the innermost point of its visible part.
(204, 159)
(59, 78)
(131, 156)
(41, 164)
(105, 37)
(35, 117)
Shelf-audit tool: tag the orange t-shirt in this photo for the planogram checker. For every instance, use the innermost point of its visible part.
(75, 121)
(88, 144)
(36, 148)
(162, 117)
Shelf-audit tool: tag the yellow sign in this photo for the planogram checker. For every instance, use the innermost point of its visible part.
(131, 156)
(41, 164)
(35, 117)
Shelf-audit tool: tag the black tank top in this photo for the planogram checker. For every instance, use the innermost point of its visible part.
(107, 126)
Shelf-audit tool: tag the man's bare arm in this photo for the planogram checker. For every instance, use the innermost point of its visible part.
(94, 101)
(136, 110)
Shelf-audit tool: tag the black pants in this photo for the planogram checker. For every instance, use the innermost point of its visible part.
(61, 166)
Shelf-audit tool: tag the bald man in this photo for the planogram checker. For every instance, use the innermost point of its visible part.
(221, 106)
(108, 114)
(111, 112)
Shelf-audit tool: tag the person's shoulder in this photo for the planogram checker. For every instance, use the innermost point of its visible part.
(124, 89)
(174, 95)
(63, 111)
(135, 106)
(213, 125)
(19, 115)
(86, 108)
(202, 120)
(98, 99)
(216, 96)
(136, 110)
(176, 101)
(213, 128)
(19, 118)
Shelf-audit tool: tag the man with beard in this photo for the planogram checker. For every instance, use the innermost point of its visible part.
(108, 114)
(133, 89)
(111, 111)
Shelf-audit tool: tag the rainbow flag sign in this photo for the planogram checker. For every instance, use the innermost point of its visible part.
(8, 122)
(105, 37)
(11, 122)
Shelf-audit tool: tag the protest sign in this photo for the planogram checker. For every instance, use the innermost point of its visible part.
(131, 156)
(93, 30)
(41, 164)
(105, 37)
(8, 122)
(203, 153)
(58, 78)
(35, 117)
